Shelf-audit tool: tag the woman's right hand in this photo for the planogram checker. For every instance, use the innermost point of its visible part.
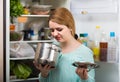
(44, 70)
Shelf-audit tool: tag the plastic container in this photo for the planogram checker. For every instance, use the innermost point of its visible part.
(40, 9)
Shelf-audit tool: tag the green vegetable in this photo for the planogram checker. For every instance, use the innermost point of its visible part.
(14, 36)
(12, 64)
(16, 9)
(21, 70)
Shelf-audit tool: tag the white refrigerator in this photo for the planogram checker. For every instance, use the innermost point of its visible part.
(87, 14)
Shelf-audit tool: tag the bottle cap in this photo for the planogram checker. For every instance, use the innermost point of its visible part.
(112, 34)
(85, 34)
(81, 35)
(97, 27)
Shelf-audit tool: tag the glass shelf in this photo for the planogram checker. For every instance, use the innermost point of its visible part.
(32, 41)
(22, 58)
(14, 80)
(105, 62)
(35, 15)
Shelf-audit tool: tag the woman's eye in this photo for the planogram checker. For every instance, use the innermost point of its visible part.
(52, 30)
(59, 29)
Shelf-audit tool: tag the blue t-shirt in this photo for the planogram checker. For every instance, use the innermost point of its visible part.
(65, 71)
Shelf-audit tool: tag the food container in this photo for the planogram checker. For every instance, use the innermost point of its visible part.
(87, 65)
(47, 53)
(40, 9)
(16, 36)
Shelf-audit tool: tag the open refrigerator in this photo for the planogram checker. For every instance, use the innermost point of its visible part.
(87, 14)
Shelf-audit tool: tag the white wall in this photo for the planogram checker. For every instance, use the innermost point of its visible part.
(1, 42)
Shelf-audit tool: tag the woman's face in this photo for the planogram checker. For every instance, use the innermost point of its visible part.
(60, 32)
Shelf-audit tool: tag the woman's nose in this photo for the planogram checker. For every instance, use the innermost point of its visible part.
(55, 33)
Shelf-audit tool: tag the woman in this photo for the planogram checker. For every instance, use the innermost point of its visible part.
(62, 27)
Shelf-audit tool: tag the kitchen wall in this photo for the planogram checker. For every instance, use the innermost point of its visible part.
(1, 42)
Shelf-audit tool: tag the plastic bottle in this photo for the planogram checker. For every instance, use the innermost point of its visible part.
(84, 38)
(81, 37)
(96, 40)
(103, 47)
(112, 48)
(42, 34)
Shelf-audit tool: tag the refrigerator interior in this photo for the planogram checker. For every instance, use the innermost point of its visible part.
(108, 20)
(103, 13)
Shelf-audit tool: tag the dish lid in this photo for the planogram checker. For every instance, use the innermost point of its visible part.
(87, 65)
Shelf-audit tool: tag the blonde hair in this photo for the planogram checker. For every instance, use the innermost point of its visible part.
(63, 16)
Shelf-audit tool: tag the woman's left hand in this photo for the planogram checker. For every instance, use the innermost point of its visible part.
(82, 73)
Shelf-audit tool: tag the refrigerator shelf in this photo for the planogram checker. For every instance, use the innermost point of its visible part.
(29, 79)
(35, 15)
(22, 58)
(32, 41)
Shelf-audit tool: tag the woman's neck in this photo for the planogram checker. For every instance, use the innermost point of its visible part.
(70, 45)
